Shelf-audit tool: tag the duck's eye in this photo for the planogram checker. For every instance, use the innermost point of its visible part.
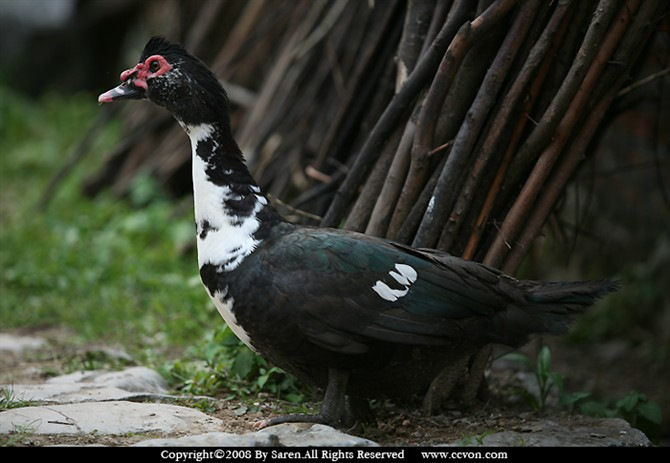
(154, 66)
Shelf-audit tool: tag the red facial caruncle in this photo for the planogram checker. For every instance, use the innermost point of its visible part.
(153, 66)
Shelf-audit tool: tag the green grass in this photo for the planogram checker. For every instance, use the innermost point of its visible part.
(9, 400)
(219, 363)
(109, 270)
(101, 267)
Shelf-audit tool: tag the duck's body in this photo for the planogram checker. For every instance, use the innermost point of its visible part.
(359, 315)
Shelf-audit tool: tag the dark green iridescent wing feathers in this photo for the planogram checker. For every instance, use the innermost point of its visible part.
(422, 297)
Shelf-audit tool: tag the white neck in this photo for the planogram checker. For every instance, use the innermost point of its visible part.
(224, 239)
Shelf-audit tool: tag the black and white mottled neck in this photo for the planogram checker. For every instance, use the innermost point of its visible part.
(232, 216)
(227, 201)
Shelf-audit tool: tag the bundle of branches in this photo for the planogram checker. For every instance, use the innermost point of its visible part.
(451, 125)
(510, 101)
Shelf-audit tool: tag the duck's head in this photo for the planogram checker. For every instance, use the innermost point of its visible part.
(169, 76)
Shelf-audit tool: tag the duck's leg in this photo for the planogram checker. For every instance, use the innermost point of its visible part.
(476, 383)
(333, 410)
(443, 385)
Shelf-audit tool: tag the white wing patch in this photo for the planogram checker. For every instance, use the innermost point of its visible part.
(404, 274)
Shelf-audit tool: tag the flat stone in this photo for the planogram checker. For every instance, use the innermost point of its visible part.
(90, 386)
(284, 435)
(17, 344)
(579, 432)
(133, 379)
(64, 393)
(211, 439)
(115, 417)
(314, 435)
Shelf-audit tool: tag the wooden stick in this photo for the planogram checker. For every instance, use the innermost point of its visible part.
(536, 66)
(618, 36)
(473, 125)
(574, 90)
(398, 105)
(472, 31)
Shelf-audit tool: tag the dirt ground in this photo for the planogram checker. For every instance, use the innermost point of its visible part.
(608, 370)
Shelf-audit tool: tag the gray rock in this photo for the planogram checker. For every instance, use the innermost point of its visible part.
(116, 417)
(313, 435)
(212, 439)
(65, 393)
(285, 435)
(578, 431)
(92, 386)
(132, 379)
(17, 344)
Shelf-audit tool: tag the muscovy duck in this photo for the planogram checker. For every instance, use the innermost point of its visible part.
(361, 316)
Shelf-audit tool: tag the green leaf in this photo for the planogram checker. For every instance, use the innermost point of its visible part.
(226, 337)
(630, 401)
(651, 411)
(556, 379)
(243, 364)
(294, 397)
(543, 362)
(593, 408)
(263, 378)
(574, 398)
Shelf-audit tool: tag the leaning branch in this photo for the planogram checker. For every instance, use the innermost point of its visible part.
(424, 70)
